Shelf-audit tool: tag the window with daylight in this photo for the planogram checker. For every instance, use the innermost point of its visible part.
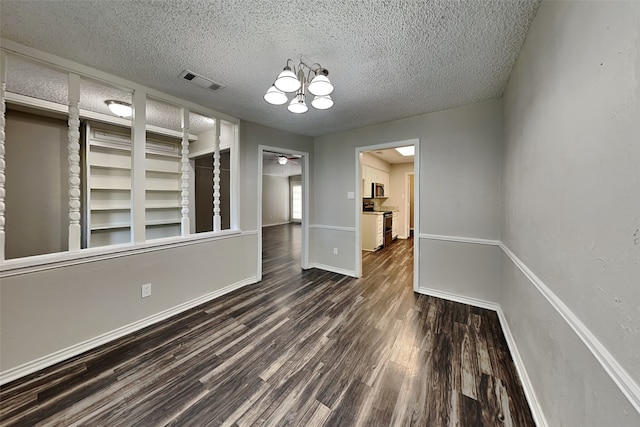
(296, 201)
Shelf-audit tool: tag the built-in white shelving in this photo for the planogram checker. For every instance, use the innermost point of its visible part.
(107, 166)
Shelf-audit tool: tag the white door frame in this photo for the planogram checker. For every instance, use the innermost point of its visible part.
(304, 252)
(416, 204)
(407, 213)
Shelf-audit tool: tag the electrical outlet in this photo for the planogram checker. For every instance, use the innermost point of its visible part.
(335, 251)
(146, 290)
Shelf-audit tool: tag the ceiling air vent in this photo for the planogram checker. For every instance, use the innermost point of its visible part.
(201, 81)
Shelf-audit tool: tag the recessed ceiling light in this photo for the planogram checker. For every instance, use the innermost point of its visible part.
(406, 151)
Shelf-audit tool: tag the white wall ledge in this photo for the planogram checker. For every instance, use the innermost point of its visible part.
(43, 262)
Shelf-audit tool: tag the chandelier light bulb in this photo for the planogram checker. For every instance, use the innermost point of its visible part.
(296, 78)
(275, 96)
(297, 105)
(320, 85)
(287, 81)
(322, 102)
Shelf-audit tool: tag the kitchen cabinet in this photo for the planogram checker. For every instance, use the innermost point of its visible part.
(366, 179)
(386, 182)
(371, 175)
(372, 230)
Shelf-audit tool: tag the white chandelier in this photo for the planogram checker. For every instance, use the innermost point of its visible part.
(289, 81)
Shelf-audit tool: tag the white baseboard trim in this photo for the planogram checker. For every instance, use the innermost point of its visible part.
(77, 349)
(617, 373)
(476, 302)
(534, 404)
(276, 223)
(333, 269)
(332, 227)
(536, 410)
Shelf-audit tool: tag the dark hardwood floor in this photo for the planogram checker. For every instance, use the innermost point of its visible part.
(302, 348)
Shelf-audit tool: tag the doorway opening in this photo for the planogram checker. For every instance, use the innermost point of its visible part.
(283, 201)
(383, 191)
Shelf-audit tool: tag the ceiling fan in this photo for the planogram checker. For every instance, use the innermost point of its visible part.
(283, 160)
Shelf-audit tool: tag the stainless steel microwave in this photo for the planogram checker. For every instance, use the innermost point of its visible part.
(377, 189)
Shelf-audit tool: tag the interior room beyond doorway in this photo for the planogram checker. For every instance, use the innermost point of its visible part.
(387, 203)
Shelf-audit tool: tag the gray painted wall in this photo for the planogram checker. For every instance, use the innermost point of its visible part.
(460, 161)
(572, 204)
(275, 200)
(47, 311)
(37, 184)
(251, 136)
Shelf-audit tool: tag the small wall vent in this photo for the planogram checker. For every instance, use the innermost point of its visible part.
(200, 81)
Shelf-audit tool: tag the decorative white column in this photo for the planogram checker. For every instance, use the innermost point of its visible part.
(184, 178)
(3, 88)
(216, 179)
(74, 162)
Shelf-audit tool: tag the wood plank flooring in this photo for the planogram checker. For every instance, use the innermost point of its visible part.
(301, 348)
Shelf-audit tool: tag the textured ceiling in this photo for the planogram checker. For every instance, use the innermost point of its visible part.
(387, 59)
(391, 156)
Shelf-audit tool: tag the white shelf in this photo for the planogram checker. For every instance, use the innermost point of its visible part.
(159, 222)
(109, 227)
(164, 171)
(164, 206)
(108, 187)
(107, 168)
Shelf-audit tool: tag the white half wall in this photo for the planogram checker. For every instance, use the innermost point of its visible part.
(47, 311)
(571, 210)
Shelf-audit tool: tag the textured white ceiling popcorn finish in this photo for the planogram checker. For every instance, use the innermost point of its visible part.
(391, 156)
(387, 59)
